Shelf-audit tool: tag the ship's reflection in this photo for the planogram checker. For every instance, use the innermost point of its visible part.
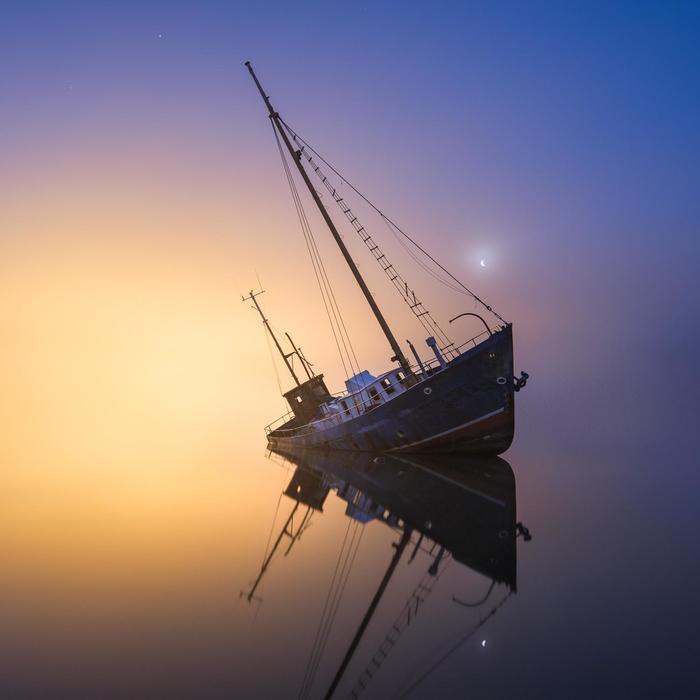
(452, 508)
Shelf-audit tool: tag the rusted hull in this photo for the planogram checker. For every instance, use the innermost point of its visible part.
(467, 408)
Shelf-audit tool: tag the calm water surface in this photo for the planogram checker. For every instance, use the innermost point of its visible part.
(148, 546)
(252, 577)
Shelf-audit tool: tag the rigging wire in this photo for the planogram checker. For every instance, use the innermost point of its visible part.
(454, 648)
(297, 137)
(321, 621)
(342, 328)
(338, 598)
(272, 527)
(328, 296)
(272, 359)
(334, 606)
(417, 598)
(419, 262)
(303, 222)
(331, 606)
(407, 294)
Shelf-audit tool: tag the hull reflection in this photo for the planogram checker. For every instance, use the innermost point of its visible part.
(465, 505)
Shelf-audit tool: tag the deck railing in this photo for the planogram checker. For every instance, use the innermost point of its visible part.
(431, 367)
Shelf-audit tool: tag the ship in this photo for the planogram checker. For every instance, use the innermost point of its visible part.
(459, 400)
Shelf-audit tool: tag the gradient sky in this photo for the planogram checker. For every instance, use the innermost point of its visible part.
(141, 192)
(141, 189)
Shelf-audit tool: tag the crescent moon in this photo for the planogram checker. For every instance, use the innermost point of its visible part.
(482, 263)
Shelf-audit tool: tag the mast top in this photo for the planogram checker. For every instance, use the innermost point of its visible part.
(285, 356)
(398, 355)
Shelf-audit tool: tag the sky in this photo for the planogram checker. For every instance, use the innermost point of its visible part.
(141, 195)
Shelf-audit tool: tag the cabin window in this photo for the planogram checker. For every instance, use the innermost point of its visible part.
(401, 376)
(374, 394)
(299, 399)
(345, 407)
(386, 383)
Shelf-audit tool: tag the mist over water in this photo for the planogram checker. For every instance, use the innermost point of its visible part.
(134, 588)
(142, 196)
(131, 527)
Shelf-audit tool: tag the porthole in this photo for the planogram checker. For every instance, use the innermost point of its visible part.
(501, 381)
(427, 391)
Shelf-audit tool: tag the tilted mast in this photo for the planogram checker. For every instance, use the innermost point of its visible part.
(249, 595)
(266, 323)
(405, 539)
(296, 157)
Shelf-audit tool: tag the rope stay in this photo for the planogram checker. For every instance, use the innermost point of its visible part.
(272, 359)
(303, 143)
(343, 343)
(272, 528)
(336, 589)
(408, 613)
(436, 664)
(400, 284)
(418, 261)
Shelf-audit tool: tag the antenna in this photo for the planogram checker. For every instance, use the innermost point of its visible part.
(305, 363)
(252, 297)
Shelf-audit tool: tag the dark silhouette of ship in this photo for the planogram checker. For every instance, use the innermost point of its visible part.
(462, 400)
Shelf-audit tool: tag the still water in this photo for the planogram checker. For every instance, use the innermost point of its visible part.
(548, 573)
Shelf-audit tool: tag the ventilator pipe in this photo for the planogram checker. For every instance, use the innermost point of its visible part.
(432, 343)
(418, 360)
